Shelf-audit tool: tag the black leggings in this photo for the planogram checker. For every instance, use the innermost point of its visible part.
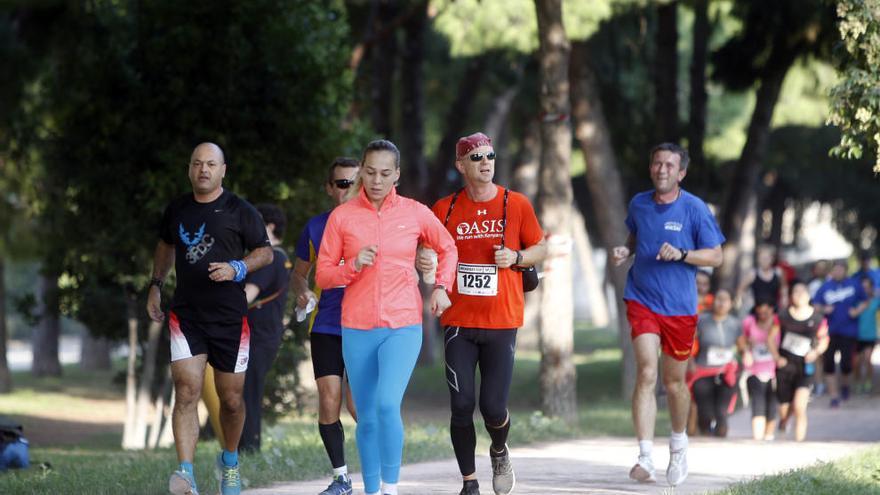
(493, 350)
(763, 397)
(713, 395)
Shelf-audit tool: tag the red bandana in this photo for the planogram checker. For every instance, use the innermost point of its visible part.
(466, 144)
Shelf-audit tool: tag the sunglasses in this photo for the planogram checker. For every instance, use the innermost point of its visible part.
(478, 157)
(343, 183)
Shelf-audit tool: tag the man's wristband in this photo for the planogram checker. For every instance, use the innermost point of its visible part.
(240, 268)
(518, 258)
(684, 254)
(157, 282)
(440, 286)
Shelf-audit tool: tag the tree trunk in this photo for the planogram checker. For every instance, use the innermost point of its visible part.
(95, 352)
(698, 97)
(555, 203)
(384, 63)
(496, 127)
(456, 120)
(606, 190)
(742, 192)
(525, 174)
(128, 438)
(48, 331)
(666, 73)
(593, 290)
(412, 132)
(525, 180)
(145, 387)
(5, 375)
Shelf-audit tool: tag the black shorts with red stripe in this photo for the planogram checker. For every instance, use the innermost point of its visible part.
(226, 344)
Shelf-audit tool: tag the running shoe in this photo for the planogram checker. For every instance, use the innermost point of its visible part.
(229, 477)
(182, 483)
(677, 471)
(643, 471)
(341, 485)
(503, 479)
(835, 404)
(471, 487)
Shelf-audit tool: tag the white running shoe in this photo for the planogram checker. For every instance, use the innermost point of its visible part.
(677, 471)
(643, 471)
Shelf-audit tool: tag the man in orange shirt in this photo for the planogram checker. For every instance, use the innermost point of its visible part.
(495, 231)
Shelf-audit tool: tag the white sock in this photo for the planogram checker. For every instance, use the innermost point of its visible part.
(340, 471)
(389, 488)
(678, 441)
(645, 448)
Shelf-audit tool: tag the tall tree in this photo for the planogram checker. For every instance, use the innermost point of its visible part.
(666, 72)
(773, 37)
(412, 103)
(698, 97)
(384, 65)
(46, 335)
(606, 188)
(555, 198)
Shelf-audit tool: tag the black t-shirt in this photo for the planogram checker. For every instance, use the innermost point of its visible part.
(266, 318)
(805, 329)
(204, 233)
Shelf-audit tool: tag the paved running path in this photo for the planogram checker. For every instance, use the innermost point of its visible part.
(600, 465)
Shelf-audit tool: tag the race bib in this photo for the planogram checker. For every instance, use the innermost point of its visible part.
(719, 356)
(761, 353)
(477, 280)
(797, 344)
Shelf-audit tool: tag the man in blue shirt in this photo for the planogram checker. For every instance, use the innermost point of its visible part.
(672, 232)
(842, 299)
(325, 328)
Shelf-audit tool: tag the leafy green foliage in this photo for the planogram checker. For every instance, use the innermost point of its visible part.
(473, 26)
(855, 99)
(135, 85)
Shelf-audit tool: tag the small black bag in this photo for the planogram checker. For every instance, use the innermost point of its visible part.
(529, 274)
(529, 277)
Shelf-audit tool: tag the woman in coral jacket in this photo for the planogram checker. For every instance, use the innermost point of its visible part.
(369, 246)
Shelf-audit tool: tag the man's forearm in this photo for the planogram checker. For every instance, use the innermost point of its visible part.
(534, 254)
(705, 257)
(163, 260)
(258, 258)
(298, 282)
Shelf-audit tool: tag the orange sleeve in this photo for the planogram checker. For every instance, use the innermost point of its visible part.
(328, 272)
(437, 238)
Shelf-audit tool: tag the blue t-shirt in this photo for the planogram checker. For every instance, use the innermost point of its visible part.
(327, 318)
(868, 321)
(842, 295)
(668, 287)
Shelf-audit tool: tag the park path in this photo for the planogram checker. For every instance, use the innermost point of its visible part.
(600, 465)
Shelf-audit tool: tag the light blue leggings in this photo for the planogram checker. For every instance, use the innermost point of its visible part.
(379, 363)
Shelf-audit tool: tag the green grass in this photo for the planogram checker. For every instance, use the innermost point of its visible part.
(858, 474)
(292, 449)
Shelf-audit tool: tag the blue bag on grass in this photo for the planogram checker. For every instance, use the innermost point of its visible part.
(13, 446)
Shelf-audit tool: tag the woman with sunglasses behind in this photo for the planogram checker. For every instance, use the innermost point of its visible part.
(369, 246)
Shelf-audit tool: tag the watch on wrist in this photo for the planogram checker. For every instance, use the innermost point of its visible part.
(439, 286)
(518, 258)
(157, 282)
(684, 254)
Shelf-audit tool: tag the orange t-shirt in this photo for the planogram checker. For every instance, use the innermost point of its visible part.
(483, 295)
